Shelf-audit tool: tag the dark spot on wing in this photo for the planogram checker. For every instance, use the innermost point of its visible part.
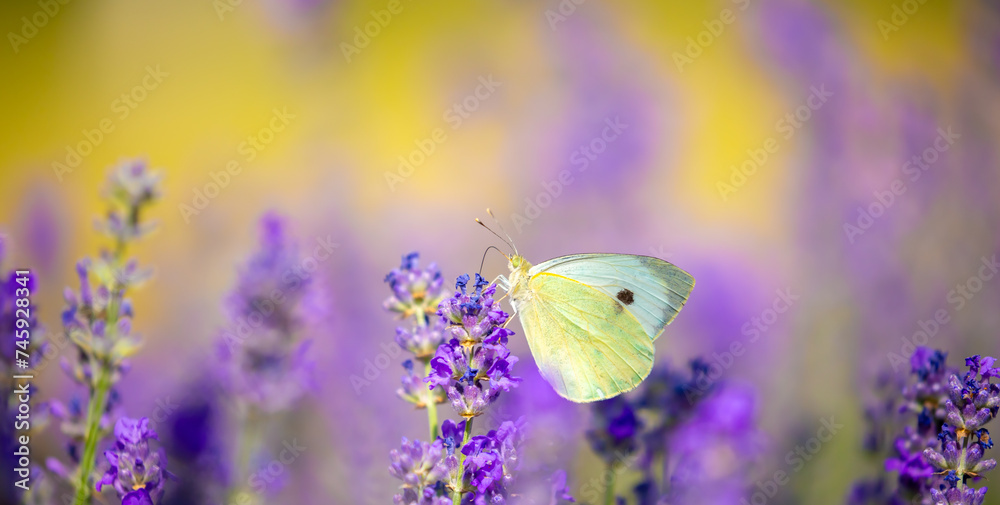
(625, 296)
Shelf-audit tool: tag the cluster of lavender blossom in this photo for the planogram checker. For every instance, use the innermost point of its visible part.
(461, 342)
(262, 368)
(97, 320)
(936, 421)
(690, 439)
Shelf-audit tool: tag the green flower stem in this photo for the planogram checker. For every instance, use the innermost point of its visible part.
(98, 402)
(609, 484)
(250, 431)
(432, 413)
(456, 498)
(103, 375)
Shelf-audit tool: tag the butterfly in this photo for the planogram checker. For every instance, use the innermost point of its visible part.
(591, 319)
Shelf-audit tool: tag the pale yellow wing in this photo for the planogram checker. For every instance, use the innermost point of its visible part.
(585, 344)
(653, 290)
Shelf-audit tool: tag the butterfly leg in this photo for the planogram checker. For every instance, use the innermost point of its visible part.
(505, 285)
(502, 282)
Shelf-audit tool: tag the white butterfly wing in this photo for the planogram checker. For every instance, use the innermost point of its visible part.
(651, 289)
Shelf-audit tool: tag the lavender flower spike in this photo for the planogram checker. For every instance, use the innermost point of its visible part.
(137, 473)
(972, 403)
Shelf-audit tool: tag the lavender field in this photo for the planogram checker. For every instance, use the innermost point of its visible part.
(240, 263)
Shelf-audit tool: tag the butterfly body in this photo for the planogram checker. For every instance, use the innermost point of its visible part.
(591, 319)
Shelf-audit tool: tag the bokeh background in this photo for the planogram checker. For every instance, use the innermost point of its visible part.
(695, 106)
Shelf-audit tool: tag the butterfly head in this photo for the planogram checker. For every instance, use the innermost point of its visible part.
(518, 274)
(518, 263)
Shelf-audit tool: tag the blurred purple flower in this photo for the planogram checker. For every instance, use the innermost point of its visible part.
(714, 447)
(616, 430)
(706, 432)
(560, 491)
(130, 187)
(274, 302)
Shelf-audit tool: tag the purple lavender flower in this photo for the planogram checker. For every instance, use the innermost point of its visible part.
(422, 340)
(921, 405)
(420, 465)
(955, 496)
(943, 446)
(972, 403)
(472, 363)
(475, 365)
(98, 320)
(490, 461)
(452, 434)
(416, 292)
(136, 472)
(473, 316)
(415, 390)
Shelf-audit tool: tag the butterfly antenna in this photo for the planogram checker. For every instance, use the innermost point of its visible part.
(484, 257)
(509, 240)
(497, 236)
